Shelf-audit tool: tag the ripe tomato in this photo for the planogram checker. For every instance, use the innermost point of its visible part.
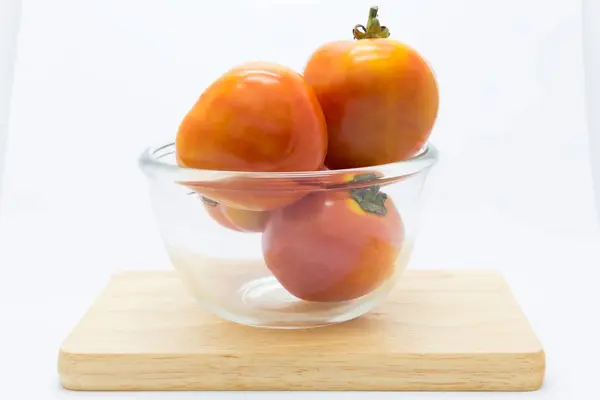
(215, 210)
(334, 245)
(260, 117)
(236, 219)
(379, 97)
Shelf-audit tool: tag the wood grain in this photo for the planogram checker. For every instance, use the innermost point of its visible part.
(439, 330)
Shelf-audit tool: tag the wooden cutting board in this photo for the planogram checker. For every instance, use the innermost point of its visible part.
(439, 330)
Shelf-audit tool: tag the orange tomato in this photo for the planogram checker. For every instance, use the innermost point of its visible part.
(234, 218)
(215, 210)
(379, 96)
(260, 117)
(334, 245)
(246, 220)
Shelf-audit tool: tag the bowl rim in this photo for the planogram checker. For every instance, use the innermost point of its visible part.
(151, 163)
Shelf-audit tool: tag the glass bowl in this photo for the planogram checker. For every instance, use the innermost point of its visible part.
(287, 250)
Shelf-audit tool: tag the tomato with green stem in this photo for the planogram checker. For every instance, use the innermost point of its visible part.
(334, 245)
(379, 96)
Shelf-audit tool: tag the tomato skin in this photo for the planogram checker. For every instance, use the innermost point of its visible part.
(215, 210)
(246, 220)
(380, 99)
(260, 117)
(325, 248)
(236, 219)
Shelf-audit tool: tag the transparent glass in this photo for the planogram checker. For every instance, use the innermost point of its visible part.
(323, 252)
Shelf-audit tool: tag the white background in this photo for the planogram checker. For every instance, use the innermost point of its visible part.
(97, 81)
(10, 12)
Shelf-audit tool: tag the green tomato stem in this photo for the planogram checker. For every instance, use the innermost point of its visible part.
(370, 199)
(373, 29)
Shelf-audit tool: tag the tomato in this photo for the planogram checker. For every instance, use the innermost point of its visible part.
(259, 117)
(215, 210)
(246, 220)
(379, 96)
(236, 219)
(334, 245)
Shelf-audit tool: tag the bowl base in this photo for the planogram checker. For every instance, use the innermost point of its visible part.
(244, 291)
(264, 303)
